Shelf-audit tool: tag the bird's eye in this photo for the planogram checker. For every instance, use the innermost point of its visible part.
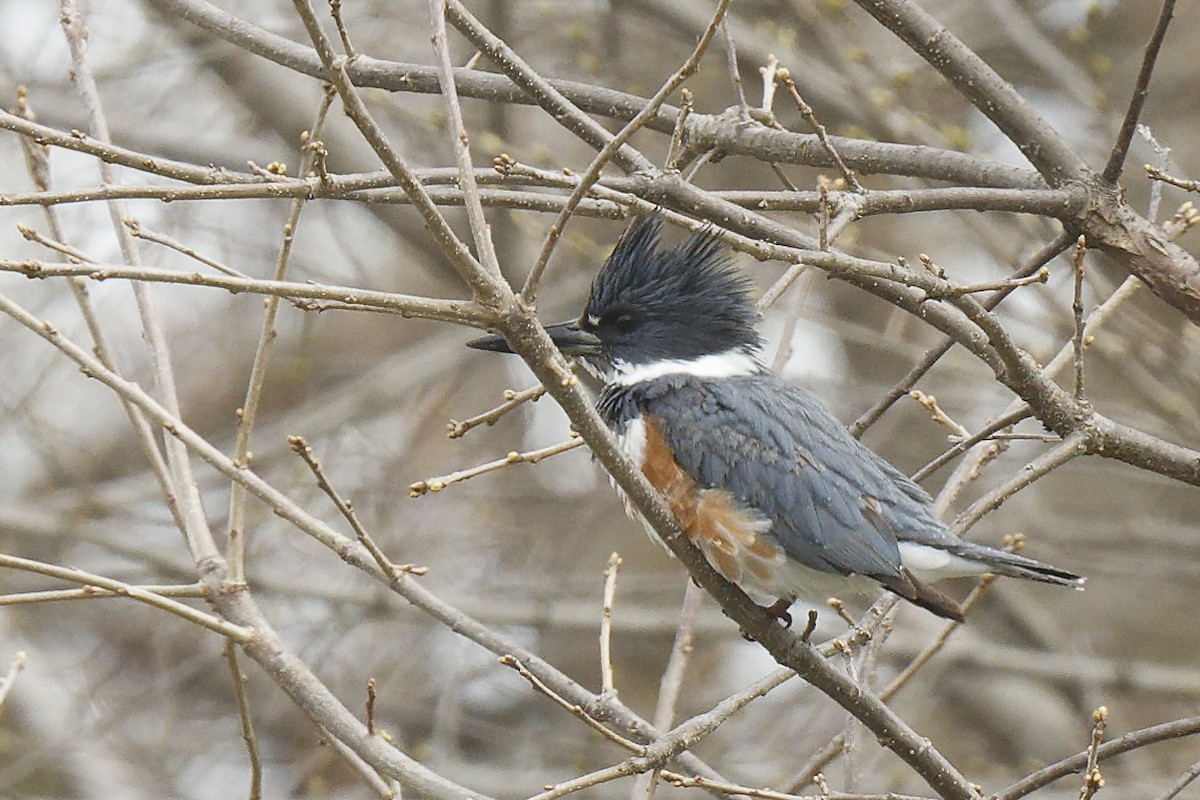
(622, 322)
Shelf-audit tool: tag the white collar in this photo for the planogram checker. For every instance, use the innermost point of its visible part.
(729, 364)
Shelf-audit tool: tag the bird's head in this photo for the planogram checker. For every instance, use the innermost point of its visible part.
(653, 308)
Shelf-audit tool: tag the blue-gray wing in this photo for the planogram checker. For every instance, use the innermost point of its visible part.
(834, 505)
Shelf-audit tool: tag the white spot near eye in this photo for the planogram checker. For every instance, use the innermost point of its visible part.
(593, 320)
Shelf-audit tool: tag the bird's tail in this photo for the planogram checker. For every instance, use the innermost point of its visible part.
(1014, 565)
(922, 594)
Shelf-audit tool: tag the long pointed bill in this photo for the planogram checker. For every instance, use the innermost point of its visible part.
(566, 336)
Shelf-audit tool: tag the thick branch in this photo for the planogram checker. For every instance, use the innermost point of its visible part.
(991, 94)
(703, 130)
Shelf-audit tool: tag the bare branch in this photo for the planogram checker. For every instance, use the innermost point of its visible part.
(1077, 340)
(1182, 782)
(10, 678)
(512, 399)
(335, 10)
(300, 447)
(1092, 782)
(705, 132)
(811, 118)
(1072, 446)
(531, 457)
(538, 89)
(96, 593)
(613, 145)
(238, 633)
(675, 150)
(1159, 175)
(235, 546)
(1188, 726)
(607, 683)
(460, 142)
(461, 311)
(991, 94)
(1116, 159)
(248, 737)
(335, 68)
(574, 708)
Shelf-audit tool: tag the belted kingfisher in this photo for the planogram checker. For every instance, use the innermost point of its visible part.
(766, 482)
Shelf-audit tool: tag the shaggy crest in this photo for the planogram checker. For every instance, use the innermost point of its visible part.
(678, 302)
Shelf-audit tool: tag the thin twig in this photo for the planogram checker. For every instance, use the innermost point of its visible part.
(184, 492)
(769, 72)
(235, 548)
(136, 229)
(573, 708)
(735, 74)
(683, 736)
(1181, 783)
(707, 157)
(454, 248)
(481, 233)
(72, 254)
(610, 148)
(608, 686)
(681, 781)
(1092, 780)
(676, 148)
(822, 758)
(247, 726)
(531, 457)
(1183, 183)
(930, 404)
(300, 447)
(790, 320)
(10, 678)
(1134, 740)
(823, 219)
(37, 160)
(671, 683)
(463, 311)
(934, 647)
(512, 399)
(97, 593)
(976, 80)
(1077, 341)
(237, 633)
(1116, 159)
(335, 10)
(999, 424)
(1041, 276)
(1045, 255)
(806, 111)
(1072, 446)
(776, 289)
(371, 706)
(382, 786)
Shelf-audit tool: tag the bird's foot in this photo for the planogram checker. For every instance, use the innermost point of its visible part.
(779, 610)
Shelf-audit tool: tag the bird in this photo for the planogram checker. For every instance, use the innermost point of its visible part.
(761, 475)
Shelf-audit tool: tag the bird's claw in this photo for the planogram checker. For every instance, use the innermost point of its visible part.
(779, 610)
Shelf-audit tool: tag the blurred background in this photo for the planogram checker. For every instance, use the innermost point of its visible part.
(118, 700)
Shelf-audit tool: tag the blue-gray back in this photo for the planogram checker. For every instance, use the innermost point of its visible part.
(834, 505)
